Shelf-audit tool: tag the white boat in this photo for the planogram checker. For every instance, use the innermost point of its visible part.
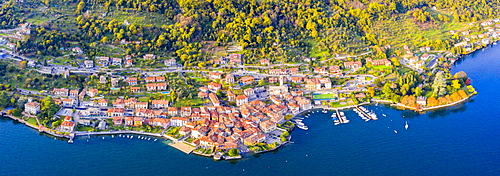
(395, 131)
(155, 139)
(383, 115)
(406, 126)
(302, 127)
(102, 137)
(112, 136)
(298, 123)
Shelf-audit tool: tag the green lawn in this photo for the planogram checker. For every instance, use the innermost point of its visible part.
(323, 96)
(84, 128)
(338, 105)
(188, 102)
(32, 121)
(381, 67)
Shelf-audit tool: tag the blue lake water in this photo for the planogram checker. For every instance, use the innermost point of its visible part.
(462, 140)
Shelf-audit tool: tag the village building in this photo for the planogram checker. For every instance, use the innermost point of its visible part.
(247, 80)
(92, 92)
(135, 89)
(353, 65)
(229, 78)
(318, 83)
(170, 62)
(88, 63)
(241, 100)
(214, 99)
(178, 121)
(149, 57)
(32, 108)
(61, 92)
(378, 62)
(132, 81)
(214, 87)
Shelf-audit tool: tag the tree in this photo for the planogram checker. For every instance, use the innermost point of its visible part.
(471, 89)
(387, 89)
(439, 84)
(456, 84)
(395, 62)
(48, 107)
(432, 101)
(22, 64)
(371, 91)
(3, 97)
(404, 89)
(417, 91)
(234, 152)
(262, 82)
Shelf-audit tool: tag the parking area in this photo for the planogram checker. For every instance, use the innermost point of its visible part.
(274, 136)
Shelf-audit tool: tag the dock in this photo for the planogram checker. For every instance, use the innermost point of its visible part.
(182, 147)
(364, 113)
(341, 120)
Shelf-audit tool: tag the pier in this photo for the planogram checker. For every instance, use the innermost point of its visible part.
(364, 113)
(341, 119)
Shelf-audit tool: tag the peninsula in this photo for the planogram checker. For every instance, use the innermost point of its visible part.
(224, 78)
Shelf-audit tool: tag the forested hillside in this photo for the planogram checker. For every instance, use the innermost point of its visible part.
(282, 30)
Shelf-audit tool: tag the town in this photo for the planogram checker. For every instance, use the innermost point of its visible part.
(226, 107)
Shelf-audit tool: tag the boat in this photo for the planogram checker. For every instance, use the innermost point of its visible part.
(302, 127)
(112, 136)
(406, 126)
(87, 141)
(149, 139)
(102, 137)
(324, 111)
(155, 139)
(383, 115)
(70, 141)
(395, 131)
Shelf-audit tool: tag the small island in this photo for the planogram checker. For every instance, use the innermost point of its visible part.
(79, 69)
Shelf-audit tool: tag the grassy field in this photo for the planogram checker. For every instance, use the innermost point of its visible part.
(402, 30)
(323, 96)
(84, 128)
(189, 102)
(381, 67)
(338, 104)
(32, 121)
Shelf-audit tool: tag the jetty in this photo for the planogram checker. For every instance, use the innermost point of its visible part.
(365, 114)
(342, 118)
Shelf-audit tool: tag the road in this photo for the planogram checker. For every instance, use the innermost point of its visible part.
(343, 57)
